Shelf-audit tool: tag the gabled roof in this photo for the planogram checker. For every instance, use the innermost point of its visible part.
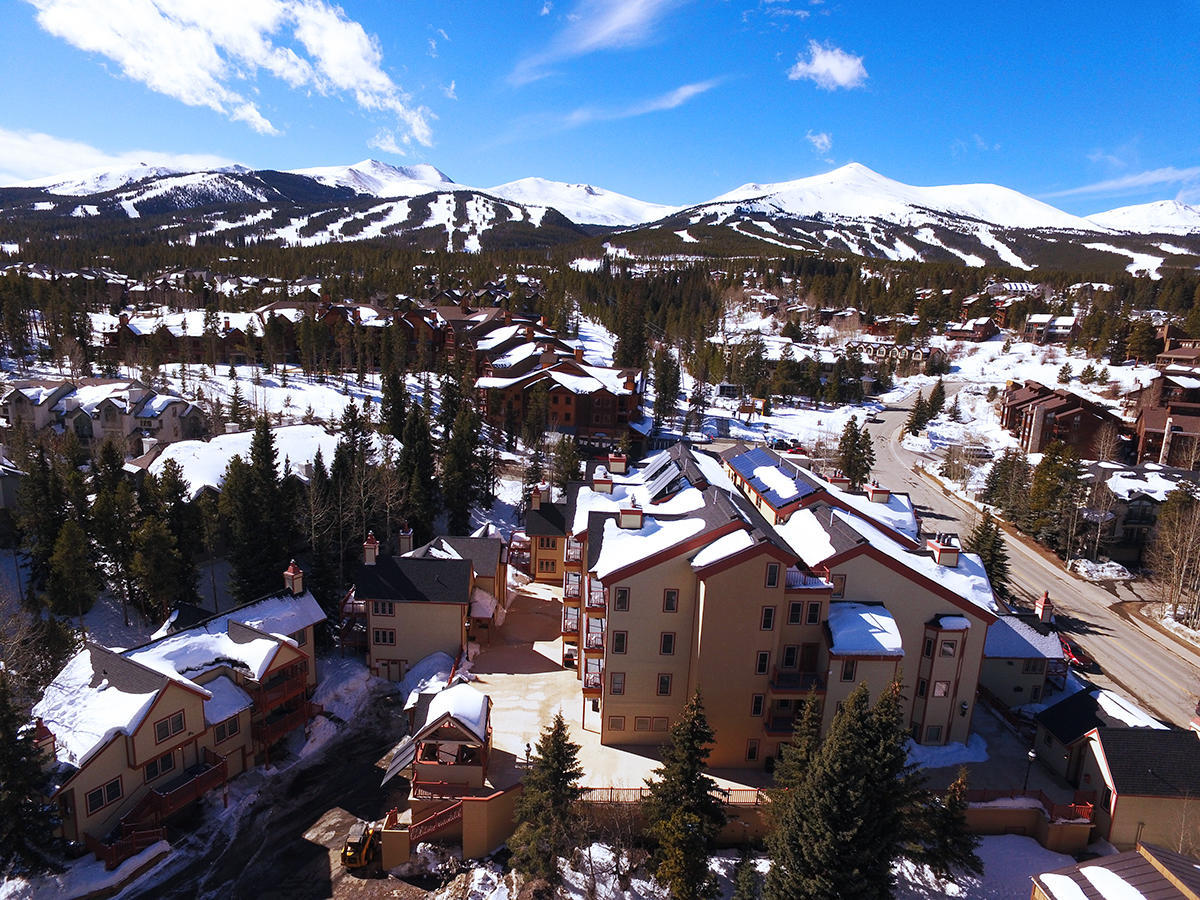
(549, 519)
(1149, 872)
(403, 579)
(1151, 762)
(1020, 637)
(482, 552)
(1073, 717)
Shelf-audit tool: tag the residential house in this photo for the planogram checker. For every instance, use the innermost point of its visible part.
(1038, 415)
(1022, 652)
(1148, 782)
(1149, 871)
(1186, 356)
(975, 330)
(403, 608)
(904, 359)
(1061, 736)
(1044, 328)
(1129, 514)
(546, 527)
(488, 556)
(1168, 436)
(448, 753)
(131, 737)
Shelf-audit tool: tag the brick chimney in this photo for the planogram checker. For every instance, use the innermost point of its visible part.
(877, 494)
(945, 547)
(602, 481)
(123, 319)
(370, 549)
(618, 463)
(631, 516)
(529, 332)
(1045, 607)
(228, 327)
(293, 579)
(539, 495)
(404, 540)
(579, 354)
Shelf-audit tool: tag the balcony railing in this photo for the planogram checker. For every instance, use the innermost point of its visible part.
(167, 798)
(267, 733)
(270, 695)
(790, 682)
(781, 724)
(570, 620)
(594, 641)
(597, 597)
(573, 552)
(592, 682)
(571, 586)
(1082, 809)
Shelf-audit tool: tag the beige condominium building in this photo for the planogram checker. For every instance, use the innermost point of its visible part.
(761, 598)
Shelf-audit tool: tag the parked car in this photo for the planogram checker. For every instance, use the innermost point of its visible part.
(1076, 655)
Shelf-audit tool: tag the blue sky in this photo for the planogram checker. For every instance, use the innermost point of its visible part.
(1086, 106)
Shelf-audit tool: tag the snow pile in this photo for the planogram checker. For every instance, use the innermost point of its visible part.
(804, 534)
(466, 705)
(1097, 571)
(928, 756)
(85, 877)
(862, 630)
(722, 548)
(1062, 888)
(1009, 862)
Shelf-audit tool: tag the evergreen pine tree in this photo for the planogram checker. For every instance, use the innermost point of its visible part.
(73, 584)
(856, 455)
(393, 403)
(237, 405)
(26, 816)
(747, 883)
(458, 470)
(415, 467)
(682, 857)
(1065, 374)
(548, 822)
(566, 462)
(919, 416)
(986, 540)
(955, 413)
(947, 847)
(157, 566)
(937, 399)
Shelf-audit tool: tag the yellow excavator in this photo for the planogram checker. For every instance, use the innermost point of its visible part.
(362, 844)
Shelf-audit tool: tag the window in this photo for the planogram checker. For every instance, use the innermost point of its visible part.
(300, 637)
(227, 729)
(762, 662)
(620, 641)
(160, 766)
(670, 600)
(839, 587)
(933, 733)
(616, 723)
(621, 601)
(941, 689)
(751, 750)
(641, 723)
(666, 643)
(848, 667)
(547, 543)
(922, 687)
(756, 705)
(664, 684)
(659, 723)
(383, 608)
(102, 796)
(1033, 666)
(547, 565)
(814, 613)
(767, 621)
(772, 575)
(928, 651)
(795, 613)
(168, 727)
(386, 636)
(617, 683)
(949, 648)
(1035, 693)
(791, 656)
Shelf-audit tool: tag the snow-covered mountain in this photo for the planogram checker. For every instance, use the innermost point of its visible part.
(382, 180)
(582, 203)
(854, 191)
(1160, 217)
(97, 181)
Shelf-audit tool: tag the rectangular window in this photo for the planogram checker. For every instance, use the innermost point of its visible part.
(757, 701)
(385, 636)
(670, 600)
(664, 684)
(795, 613)
(383, 608)
(949, 648)
(621, 600)
(928, 651)
(641, 723)
(839, 587)
(617, 683)
(814, 613)
(620, 641)
(102, 796)
(1033, 666)
(160, 766)
(547, 543)
(933, 733)
(168, 727)
(300, 637)
(922, 687)
(941, 689)
(762, 662)
(772, 575)
(547, 565)
(751, 750)
(660, 723)
(791, 656)
(666, 643)
(848, 667)
(616, 723)
(227, 729)
(767, 621)
(1035, 693)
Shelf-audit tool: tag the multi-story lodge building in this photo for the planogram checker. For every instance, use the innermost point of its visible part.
(695, 576)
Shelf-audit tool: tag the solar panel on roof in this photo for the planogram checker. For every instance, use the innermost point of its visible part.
(662, 480)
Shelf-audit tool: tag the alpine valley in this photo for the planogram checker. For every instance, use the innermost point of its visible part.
(850, 210)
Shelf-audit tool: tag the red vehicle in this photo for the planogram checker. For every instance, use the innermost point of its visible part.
(1075, 654)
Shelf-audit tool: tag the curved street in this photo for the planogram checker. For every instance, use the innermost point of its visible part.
(1159, 671)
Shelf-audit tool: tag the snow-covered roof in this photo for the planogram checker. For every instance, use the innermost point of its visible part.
(1125, 711)
(466, 705)
(186, 654)
(227, 700)
(1011, 638)
(862, 630)
(281, 614)
(722, 548)
(806, 536)
(954, 623)
(622, 547)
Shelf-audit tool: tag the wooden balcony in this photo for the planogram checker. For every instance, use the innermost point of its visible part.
(573, 553)
(572, 587)
(570, 621)
(279, 690)
(167, 798)
(784, 681)
(593, 642)
(779, 725)
(268, 732)
(130, 844)
(592, 683)
(597, 598)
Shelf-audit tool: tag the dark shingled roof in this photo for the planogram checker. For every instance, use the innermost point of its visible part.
(1142, 869)
(1072, 718)
(404, 579)
(483, 553)
(125, 675)
(1153, 763)
(550, 519)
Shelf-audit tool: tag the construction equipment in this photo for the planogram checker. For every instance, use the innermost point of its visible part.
(362, 844)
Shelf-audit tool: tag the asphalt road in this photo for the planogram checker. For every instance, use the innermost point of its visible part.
(1161, 673)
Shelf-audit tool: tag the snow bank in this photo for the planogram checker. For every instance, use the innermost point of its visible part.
(1096, 571)
(955, 754)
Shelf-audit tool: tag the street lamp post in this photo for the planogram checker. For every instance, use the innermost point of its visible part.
(1031, 756)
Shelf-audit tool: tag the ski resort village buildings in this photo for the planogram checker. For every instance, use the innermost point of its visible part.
(131, 737)
(761, 584)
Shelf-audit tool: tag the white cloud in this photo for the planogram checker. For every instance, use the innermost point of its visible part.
(386, 141)
(596, 25)
(669, 100)
(546, 7)
(449, 91)
(199, 53)
(822, 141)
(829, 67)
(1188, 179)
(27, 155)
(433, 48)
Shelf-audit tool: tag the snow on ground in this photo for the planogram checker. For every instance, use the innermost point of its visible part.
(1009, 862)
(955, 754)
(1097, 571)
(598, 342)
(345, 689)
(105, 623)
(1188, 634)
(84, 877)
